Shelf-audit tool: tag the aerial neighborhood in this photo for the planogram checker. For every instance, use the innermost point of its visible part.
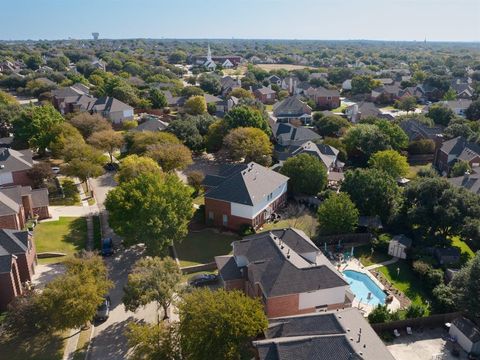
(239, 199)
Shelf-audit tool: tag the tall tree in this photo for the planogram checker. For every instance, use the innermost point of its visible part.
(88, 124)
(35, 126)
(152, 280)
(153, 341)
(440, 114)
(466, 288)
(391, 162)
(337, 215)
(210, 83)
(307, 174)
(219, 324)
(196, 105)
(133, 166)
(158, 99)
(108, 141)
(251, 144)
(330, 125)
(160, 206)
(372, 191)
(138, 142)
(82, 161)
(245, 116)
(170, 157)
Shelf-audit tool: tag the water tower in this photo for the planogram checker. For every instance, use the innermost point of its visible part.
(95, 35)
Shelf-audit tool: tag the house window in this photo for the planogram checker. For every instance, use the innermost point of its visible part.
(225, 220)
(210, 215)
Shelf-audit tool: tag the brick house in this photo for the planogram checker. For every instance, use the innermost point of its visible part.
(345, 333)
(243, 194)
(286, 271)
(14, 167)
(265, 95)
(17, 263)
(292, 109)
(20, 203)
(325, 99)
(457, 149)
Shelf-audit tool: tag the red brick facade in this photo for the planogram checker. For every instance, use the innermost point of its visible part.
(21, 178)
(327, 102)
(216, 209)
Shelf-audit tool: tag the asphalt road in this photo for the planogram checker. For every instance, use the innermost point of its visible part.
(109, 341)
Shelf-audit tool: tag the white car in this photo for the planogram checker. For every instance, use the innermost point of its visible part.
(55, 169)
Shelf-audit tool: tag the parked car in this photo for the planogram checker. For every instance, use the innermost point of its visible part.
(111, 167)
(107, 247)
(55, 169)
(103, 311)
(203, 279)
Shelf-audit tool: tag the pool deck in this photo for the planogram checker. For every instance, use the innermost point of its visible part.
(355, 265)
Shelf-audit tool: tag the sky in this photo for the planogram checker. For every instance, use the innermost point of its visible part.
(437, 20)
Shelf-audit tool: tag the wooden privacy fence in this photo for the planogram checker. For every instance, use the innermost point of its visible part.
(431, 321)
(345, 239)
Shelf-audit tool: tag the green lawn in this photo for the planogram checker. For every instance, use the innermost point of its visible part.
(82, 345)
(306, 222)
(413, 170)
(407, 282)
(342, 107)
(70, 190)
(465, 250)
(67, 235)
(39, 347)
(364, 254)
(201, 247)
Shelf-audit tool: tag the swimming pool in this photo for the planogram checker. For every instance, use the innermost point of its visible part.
(365, 290)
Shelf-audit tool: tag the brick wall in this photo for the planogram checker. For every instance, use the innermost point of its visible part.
(42, 212)
(21, 178)
(237, 284)
(26, 263)
(7, 290)
(285, 306)
(324, 102)
(10, 222)
(219, 208)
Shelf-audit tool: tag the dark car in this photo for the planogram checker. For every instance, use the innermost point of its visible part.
(103, 311)
(111, 167)
(203, 279)
(107, 247)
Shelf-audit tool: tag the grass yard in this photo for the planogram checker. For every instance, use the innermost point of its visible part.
(342, 107)
(414, 169)
(406, 281)
(201, 247)
(305, 221)
(467, 253)
(67, 235)
(70, 190)
(364, 254)
(38, 347)
(82, 345)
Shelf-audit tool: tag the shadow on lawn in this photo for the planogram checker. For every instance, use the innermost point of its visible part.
(37, 347)
(77, 233)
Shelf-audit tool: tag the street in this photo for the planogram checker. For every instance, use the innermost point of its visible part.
(108, 340)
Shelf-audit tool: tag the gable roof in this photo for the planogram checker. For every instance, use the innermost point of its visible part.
(151, 124)
(13, 160)
(12, 242)
(109, 104)
(471, 182)
(344, 333)
(323, 92)
(461, 149)
(246, 184)
(468, 328)
(325, 153)
(416, 129)
(11, 198)
(289, 134)
(291, 107)
(280, 270)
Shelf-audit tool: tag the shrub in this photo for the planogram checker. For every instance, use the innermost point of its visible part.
(381, 242)
(414, 311)
(245, 230)
(424, 146)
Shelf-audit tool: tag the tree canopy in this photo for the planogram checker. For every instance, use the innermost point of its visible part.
(250, 144)
(391, 162)
(245, 116)
(307, 174)
(219, 324)
(337, 215)
(133, 166)
(160, 206)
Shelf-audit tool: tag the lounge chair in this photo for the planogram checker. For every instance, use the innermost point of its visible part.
(409, 330)
(396, 333)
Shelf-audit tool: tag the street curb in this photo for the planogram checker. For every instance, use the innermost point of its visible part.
(90, 341)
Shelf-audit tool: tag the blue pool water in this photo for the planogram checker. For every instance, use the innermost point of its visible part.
(362, 286)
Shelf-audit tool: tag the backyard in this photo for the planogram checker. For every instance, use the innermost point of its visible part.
(201, 247)
(297, 218)
(67, 235)
(364, 254)
(406, 281)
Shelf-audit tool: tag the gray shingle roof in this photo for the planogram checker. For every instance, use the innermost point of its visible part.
(152, 124)
(109, 104)
(13, 160)
(339, 335)
(468, 328)
(470, 182)
(461, 149)
(12, 242)
(11, 198)
(280, 274)
(287, 134)
(246, 184)
(291, 107)
(416, 130)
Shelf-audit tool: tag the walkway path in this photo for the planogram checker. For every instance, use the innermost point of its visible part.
(89, 211)
(385, 263)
